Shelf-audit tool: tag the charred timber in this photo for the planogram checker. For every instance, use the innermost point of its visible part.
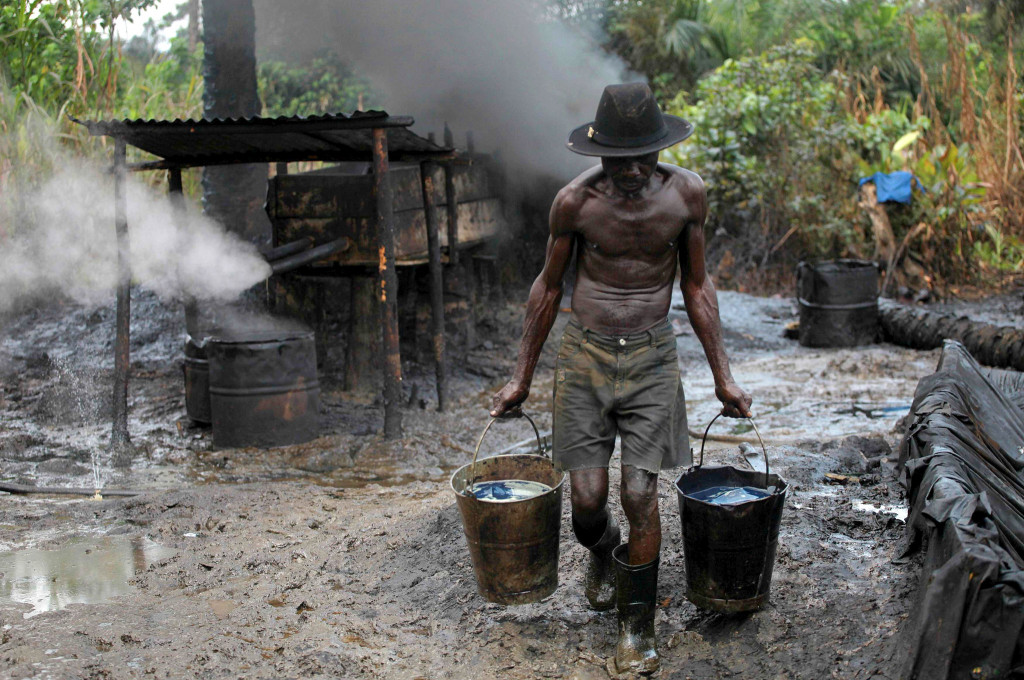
(999, 346)
(120, 443)
(451, 203)
(388, 286)
(301, 259)
(436, 284)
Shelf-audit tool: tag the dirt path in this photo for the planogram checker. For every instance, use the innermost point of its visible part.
(345, 557)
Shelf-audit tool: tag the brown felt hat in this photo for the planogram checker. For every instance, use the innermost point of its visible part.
(628, 123)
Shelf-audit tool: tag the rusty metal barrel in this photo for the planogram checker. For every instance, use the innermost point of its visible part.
(729, 549)
(514, 544)
(264, 390)
(197, 380)
(838, 302)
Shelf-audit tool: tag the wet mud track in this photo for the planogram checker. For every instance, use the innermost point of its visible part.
(345, 557)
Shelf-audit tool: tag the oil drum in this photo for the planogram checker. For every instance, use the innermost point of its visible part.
(838, 303)
(264, 390)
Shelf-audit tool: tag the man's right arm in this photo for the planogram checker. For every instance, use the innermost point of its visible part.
(542, 306)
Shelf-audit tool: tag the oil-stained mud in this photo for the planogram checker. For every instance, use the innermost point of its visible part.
(345, 557)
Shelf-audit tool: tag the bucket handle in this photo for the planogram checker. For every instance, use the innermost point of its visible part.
(476, 453)
(764, 450)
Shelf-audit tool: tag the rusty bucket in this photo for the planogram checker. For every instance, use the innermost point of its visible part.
(513, 544)
(264, 389)
(729, 549)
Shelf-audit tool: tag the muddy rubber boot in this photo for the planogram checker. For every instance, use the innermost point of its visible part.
(636, 589)
(599, 583)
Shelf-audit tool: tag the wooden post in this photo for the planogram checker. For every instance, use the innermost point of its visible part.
(436, 290)
(120, 442)
(388, 289)
(451, 202)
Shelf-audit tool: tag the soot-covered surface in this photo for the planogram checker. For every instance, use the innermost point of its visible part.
(345, 557)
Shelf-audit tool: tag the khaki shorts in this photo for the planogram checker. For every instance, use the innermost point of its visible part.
(630, 386)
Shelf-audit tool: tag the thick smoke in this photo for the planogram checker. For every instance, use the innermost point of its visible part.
(491, 66)
(60, 238)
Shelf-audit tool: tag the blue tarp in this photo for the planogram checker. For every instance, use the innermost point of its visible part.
(893, 186)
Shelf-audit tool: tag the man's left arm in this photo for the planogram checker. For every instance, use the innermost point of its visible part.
(702, 307)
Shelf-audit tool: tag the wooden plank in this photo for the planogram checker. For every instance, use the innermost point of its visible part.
(478, 222)
(388, 301)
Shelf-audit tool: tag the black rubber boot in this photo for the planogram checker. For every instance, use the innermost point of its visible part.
(636, 588)
(599, 583)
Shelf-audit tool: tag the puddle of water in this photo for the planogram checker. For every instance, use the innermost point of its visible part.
(898, 511)
(86, 571)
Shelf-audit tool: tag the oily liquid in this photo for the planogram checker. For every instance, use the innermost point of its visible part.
(507, 490)
(729, 495)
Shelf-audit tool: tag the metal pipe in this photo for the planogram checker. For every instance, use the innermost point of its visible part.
(289, 249)
(120, 443)
(287, 264)
(436, 284)
(388, 306)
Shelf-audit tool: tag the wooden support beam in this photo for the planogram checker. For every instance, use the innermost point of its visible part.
(388, 286)
(451, 203)
(436, 285)
(120, 442)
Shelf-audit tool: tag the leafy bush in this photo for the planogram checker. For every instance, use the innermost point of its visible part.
(772, 146)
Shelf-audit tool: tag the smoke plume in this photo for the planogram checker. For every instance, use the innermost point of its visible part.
(495, 67)
(59, 237)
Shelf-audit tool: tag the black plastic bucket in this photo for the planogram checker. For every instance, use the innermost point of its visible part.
(729, 549)
(263, 389)
(197, 381)
(838, 303)
(514, 544)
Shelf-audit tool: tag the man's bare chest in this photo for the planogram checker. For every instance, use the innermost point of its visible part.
(651, 232)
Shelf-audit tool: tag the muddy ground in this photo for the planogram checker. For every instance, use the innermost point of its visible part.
(345, 557)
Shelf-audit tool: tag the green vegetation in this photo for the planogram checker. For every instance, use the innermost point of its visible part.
(793, 100)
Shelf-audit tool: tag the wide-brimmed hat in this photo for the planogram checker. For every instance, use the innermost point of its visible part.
(628, 123)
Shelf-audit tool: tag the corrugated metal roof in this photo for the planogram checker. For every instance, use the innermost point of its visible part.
(332, 137)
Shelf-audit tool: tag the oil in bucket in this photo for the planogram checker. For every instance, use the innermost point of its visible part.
(730, 495)
(508, 490)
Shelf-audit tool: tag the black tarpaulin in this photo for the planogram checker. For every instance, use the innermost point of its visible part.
(962, 462)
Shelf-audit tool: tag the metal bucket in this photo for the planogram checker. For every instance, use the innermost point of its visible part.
(729, 549)
(838, 302)
(263, 389)
(513, 545)
(197, 381)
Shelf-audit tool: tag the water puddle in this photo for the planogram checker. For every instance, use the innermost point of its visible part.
(898, 511)
(86, 571)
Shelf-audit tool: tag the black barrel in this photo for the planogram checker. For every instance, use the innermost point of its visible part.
(838, 303)
(263, 388)
(197, 380)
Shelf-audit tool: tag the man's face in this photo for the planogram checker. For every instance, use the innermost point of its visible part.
(630, 174)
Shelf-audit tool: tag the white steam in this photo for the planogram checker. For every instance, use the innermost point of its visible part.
(495, 67)
(60, 237)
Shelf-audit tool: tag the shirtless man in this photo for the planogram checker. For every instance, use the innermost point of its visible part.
(632, 222)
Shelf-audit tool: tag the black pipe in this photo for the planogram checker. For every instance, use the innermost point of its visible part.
(289, 249)
(287, 264)
(68, 491)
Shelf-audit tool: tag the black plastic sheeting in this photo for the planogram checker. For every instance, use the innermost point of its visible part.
(962, 462)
